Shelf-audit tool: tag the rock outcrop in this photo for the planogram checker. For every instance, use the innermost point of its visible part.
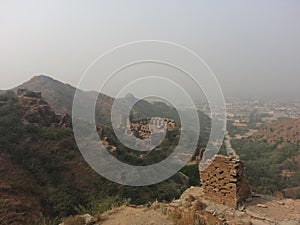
(37, 110)
(257, 210)
(66, 121)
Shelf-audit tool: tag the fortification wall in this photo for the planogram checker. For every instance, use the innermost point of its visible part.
(224, 182)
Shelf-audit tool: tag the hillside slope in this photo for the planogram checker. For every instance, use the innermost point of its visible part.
(284, 131)
(60, 97)
(43, 173)
(272, 157)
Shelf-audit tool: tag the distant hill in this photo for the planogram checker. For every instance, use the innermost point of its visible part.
(284, 131)
(272, 157)
(60, 97)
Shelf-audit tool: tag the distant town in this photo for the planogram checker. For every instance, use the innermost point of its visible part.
(253, 114)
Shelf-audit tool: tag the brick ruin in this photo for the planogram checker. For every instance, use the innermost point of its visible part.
(223, 181)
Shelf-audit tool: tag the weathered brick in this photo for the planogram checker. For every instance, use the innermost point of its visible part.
(224, 181)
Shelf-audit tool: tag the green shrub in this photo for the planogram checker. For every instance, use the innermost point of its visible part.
(264, 163)
(98, 207)
(62, 202)
(193, 173)
(49, 221)
(297, 195)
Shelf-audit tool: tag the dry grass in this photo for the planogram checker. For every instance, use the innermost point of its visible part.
(198, 205)
(74, 220)
(186, 218)
(285, 131)
(104, 216)
(98, 218)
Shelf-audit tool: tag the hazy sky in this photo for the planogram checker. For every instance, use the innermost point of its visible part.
(252, 46)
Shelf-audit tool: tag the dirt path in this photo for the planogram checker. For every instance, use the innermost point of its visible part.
(230, 151)
(283, 210)
(246, 135)
(136, 216)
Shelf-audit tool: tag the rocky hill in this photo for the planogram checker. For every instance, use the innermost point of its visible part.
(284, 132)
(43, 174)
(272, 158)
(60, 97)
(44, 177)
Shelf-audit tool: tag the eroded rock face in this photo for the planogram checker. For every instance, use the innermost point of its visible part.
(66, 121)
(224, 181)
(28, 94)
(37, 110)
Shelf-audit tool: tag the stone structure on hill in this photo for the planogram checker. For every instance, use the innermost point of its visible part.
(66, 121)
(223, 181)
(38, 111)
(146, 127)
(29, 94)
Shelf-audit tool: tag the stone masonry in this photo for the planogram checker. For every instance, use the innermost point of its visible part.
(223, 181)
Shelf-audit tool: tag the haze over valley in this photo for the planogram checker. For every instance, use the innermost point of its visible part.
(150, 112)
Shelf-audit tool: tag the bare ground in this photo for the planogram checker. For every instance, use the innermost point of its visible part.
(127, 215)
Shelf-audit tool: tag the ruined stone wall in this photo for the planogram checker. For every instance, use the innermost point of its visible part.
(224, 182)
(29, 94)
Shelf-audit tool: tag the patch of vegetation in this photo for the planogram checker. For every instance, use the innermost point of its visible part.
(99, 207)
(233, 130)
(264, 164)
(192, 172)
(74, 220)
(53, 172)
